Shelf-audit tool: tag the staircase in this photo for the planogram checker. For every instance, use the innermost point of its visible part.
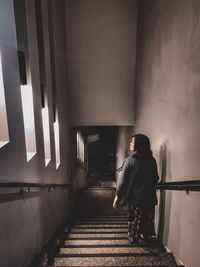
(98, 237)
(102, 241)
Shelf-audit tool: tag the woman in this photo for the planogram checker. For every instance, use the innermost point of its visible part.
(136, 188)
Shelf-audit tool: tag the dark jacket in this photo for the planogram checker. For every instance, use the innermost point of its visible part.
(144, 173)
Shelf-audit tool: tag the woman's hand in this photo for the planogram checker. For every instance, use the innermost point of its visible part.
(115, 204)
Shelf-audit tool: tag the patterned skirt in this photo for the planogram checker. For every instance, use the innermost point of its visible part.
(140, 224)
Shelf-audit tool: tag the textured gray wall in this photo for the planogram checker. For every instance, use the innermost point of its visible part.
(26, 224)
(101, 46)
(167, 110)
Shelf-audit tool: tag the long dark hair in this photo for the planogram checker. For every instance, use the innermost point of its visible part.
(142, 146)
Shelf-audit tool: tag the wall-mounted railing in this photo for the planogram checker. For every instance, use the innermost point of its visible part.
(192, 185)
(189, 185)
(14, 191)
(178, 186)
(29, 190)
(32, 185)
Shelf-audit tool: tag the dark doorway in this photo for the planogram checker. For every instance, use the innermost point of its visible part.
(101, 155)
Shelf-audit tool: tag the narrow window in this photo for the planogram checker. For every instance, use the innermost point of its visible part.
(82, 151)
(80, 147)
(77, 144)
(57, 139)
(46, 133)
(29, 122)
(4, 135)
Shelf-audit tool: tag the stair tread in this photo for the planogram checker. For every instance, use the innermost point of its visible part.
(104, 219)
(116, 261)
(108, 242)
(111, 254)
(108, 250)
(97, 235)
(99, 230)
(120, 265)
(107, 216)
(124, 226)
(102, 223)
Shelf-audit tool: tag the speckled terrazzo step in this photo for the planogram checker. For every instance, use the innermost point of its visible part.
(97, 224)
(101, 230)
(103, 221)
(123, 241)
(105, 215)
(115, 260)
(106, 218)
(99, 243)
(109, 250)
(102, 217)
(110, 216)
(100, 226)
(98, 235)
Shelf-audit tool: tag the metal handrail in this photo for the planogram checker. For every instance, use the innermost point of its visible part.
(192, 185)
(26, 190)
(33, 185)
(188, 185)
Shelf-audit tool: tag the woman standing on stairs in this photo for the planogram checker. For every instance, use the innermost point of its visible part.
(136, 187)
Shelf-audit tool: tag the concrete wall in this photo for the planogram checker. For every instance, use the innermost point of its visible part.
(167, 110)
(26, 224)
(101, 46)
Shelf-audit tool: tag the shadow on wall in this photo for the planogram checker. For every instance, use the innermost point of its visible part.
(164, 201)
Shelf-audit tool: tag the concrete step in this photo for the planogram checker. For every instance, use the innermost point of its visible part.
(99, 227)
(83, 242)
(97, 235)
(102, 242)
(110, 216)
(101, 230)
(110, 250)
(116, 260)
(101, 223)
(105, 219)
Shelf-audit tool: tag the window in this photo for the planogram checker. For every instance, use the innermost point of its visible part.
(57, 140)
(46, 133)
(4, 135)
(80, 147)
(29, 121)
